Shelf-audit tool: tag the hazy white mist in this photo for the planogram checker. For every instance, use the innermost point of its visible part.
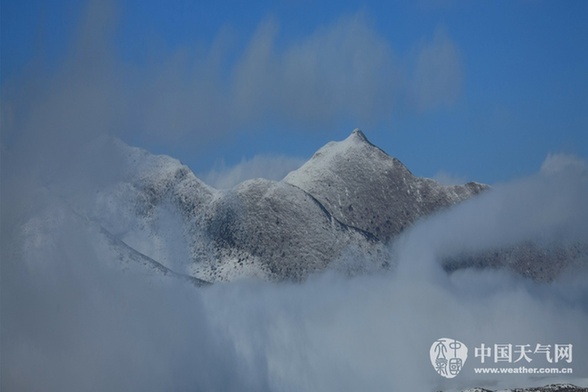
(73, 321)
(271, 167)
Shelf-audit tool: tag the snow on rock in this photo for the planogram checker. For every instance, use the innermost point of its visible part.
(364, 187)
(277, 230)
(339, 209)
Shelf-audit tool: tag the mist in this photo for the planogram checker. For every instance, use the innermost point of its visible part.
(72, 319)
(205, 95)
(270, 167)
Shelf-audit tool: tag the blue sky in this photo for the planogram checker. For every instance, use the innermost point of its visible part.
(476, 90)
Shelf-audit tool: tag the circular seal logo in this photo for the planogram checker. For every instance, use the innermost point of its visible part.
(448, 356)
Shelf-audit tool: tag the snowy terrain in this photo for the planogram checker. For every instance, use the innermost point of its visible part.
(321, 281)
(349, 202)
(349, 199)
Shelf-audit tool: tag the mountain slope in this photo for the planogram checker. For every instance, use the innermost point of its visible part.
(276, 229)
(364, 187)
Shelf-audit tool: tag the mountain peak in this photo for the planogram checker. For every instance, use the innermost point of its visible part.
(358, 139)
(356, 145)
(350, 178)
(358, 134)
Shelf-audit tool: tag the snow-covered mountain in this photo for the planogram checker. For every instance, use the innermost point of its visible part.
(365, 188)
(351, 208)
(341, 208)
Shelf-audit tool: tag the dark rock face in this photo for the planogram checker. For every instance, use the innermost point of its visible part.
(278, 228)
(540, 262)
(364, 187)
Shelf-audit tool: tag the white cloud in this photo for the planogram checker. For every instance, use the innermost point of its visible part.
(538, 208)
(555, 163)
(342, 71)
(70, 321)
(270, 167)
(438, 73)
(447, 178)
(77, 324)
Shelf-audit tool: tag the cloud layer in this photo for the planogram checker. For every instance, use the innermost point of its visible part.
(71, 320)
(345, 70)
(270, 167)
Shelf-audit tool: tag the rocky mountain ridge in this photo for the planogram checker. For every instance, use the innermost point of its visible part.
(353, 179)
(350, 198)
(342, 209)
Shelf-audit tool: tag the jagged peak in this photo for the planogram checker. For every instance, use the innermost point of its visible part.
(356, 141)
(358, 138)
(355, 154)
(358, 135)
